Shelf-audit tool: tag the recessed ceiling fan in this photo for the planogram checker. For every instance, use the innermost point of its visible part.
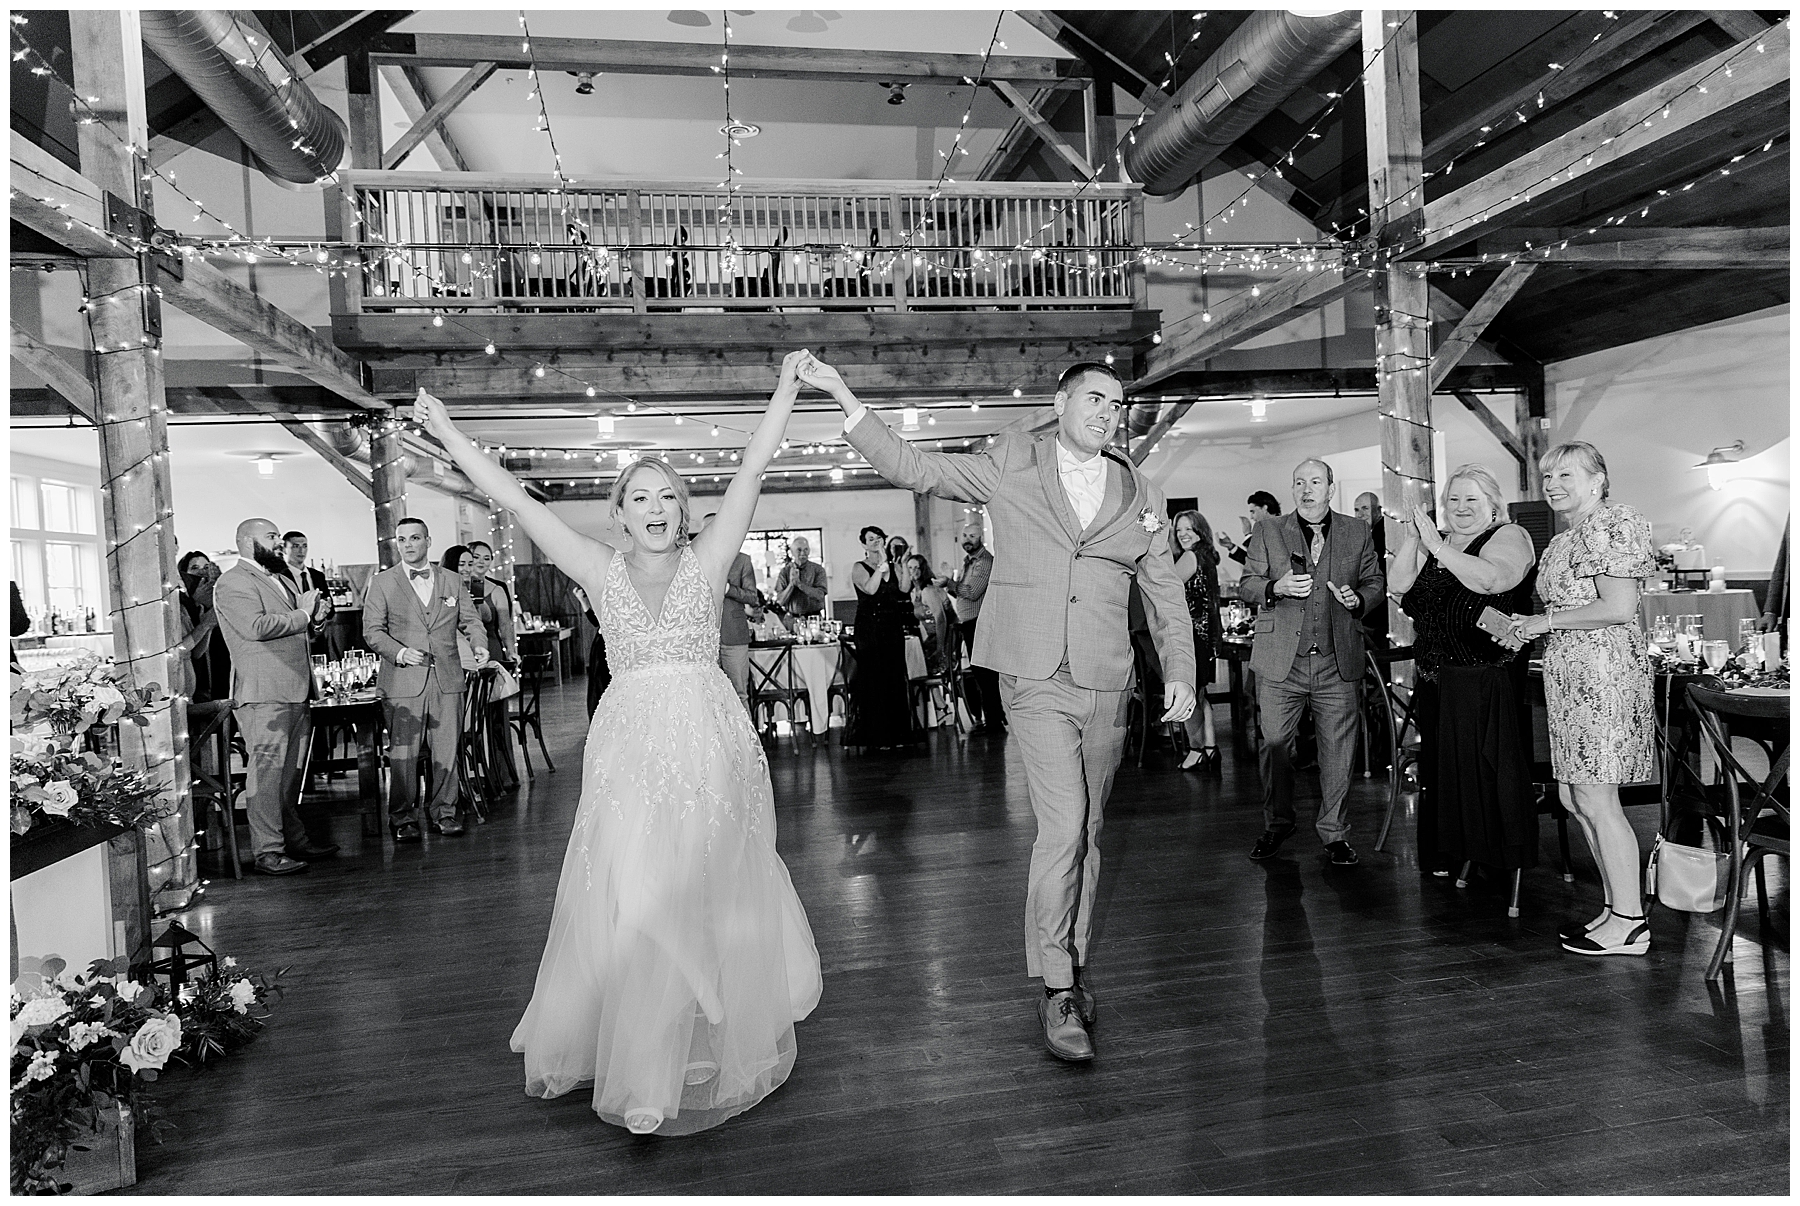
(699, 20)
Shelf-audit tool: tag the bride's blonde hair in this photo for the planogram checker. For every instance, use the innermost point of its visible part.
(675, 480)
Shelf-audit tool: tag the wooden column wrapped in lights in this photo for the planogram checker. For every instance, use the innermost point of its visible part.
(387, 463)
(503, 523)
(1402, 292)
(151, 869)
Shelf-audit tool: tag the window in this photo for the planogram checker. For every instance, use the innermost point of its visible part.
(56, 550)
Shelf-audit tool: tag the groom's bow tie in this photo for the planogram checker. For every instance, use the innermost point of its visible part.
(1089, 472)
(419, 573)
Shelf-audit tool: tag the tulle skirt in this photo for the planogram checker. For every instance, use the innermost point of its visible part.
(679, 957)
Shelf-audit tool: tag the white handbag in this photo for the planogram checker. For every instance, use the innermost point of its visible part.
(1689, 878)
(505, 685)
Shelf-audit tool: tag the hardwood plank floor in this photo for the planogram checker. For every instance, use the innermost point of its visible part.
(1282, 1027)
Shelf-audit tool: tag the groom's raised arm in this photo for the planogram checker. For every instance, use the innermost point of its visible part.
(965, 476)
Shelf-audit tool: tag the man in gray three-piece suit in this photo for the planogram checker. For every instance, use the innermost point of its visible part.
(1076, 523)
(411, 616)
(1315, 574)
(266, 623)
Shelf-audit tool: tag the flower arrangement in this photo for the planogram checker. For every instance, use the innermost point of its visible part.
(223, 1012)
(81, 1045)
(79, 694)
(49, 782)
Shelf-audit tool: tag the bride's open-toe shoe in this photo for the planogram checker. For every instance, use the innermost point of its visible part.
(642, 1122)
(700, 1071)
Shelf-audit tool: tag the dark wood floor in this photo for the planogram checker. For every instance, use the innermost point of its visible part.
(1264, 1028)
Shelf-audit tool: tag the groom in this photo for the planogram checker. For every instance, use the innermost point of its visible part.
(1075, 523)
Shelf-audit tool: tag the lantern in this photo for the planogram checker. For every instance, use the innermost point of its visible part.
(173, 956)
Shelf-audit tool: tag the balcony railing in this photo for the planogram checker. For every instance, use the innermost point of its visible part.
(473, 241)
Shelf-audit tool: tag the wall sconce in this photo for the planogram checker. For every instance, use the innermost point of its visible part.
(1721, 464)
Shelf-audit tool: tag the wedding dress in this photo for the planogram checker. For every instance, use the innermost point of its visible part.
(679, 957)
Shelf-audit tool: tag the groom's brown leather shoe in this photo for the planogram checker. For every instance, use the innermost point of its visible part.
(1064, 1032)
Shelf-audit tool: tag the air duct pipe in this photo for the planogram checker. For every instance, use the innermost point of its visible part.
(344, 439)
(247, 82)
(1264, 61)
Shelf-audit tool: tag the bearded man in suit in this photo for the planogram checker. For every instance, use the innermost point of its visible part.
(411, 617)
(1076, 523)
(266, 622)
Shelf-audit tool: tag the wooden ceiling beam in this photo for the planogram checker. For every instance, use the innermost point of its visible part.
(45, 361)
(1738, 23)
(1478, 408)
(1242, 317)
(700, 58)
(208, 294)
(58, 202)
(1591, 150)
(433, 118)
(408, 84)
(1047, 133)
(1698, 248)
(1629, 39)
(1052, 26)
(1450, 353)
(1168, 419)
(1020, 138)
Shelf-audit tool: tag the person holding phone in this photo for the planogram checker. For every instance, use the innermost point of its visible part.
(1461, 587)
(884, 718)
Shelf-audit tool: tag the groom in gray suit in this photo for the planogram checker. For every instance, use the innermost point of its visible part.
(1076, 523)
(411, 616)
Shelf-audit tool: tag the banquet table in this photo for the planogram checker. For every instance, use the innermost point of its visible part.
(1722, 609)
(551, 641)
(1236, 653)
(362, 717)
(814, 667)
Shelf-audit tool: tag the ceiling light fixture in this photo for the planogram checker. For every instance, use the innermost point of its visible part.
(603, 422)
(740, 129)
(896, 92)
(909, 418)
(265, 465)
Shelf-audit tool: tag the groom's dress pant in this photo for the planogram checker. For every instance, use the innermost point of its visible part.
(433, 716)
(1071, 740)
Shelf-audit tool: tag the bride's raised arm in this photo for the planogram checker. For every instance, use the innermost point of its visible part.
(724, 536)
(581, 557)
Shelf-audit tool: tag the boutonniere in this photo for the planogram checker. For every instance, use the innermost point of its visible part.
(1151, 521)
(448, 600)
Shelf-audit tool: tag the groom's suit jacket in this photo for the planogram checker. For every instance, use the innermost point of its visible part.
(1057, 592)
(393, 620)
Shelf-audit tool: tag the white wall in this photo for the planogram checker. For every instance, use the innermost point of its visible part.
(1656, 408)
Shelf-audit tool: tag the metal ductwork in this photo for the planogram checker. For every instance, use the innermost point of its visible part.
(1264, 61)
(245, 80)
(344, 439)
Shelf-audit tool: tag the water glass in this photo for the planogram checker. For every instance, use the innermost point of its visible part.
(1716, 653)
(1747, 635)
(1662, 632)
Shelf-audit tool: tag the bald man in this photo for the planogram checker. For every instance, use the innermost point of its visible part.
(800, 587)
(266, 621)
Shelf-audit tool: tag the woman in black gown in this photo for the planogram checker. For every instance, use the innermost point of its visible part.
(884, 717)
(1197, 565)
(1469, 702)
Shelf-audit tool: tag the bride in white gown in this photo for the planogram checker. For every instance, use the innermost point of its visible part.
(679, 957)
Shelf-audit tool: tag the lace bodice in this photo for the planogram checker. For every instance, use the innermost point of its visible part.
(686, 634)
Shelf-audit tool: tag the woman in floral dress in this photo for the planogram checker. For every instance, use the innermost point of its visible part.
(1597, 684)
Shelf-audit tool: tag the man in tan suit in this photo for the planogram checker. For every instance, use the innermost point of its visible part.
(265, 621)
(1076, 523)
(411, 616)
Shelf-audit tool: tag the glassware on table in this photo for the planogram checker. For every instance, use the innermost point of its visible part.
(1716, 653)
(1747, 634)
(1662, 633)
(321, 672)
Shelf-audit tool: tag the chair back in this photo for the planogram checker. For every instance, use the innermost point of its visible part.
(1712, 706)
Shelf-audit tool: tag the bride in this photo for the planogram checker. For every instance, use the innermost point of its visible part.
(679, 957)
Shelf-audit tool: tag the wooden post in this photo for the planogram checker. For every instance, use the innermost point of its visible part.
(388, 475)
(365, 111)
(1402, 292)
(922, 521)
(135, 495)
(1529, 416)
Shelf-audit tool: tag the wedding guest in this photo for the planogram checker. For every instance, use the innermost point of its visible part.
(21, 624)
(800, 588)
(494, 602)
(1197, 565)
(931, 608)
(190, 675)
(1263, 505)
(883, 610)
(212, 660)
(421, 676)
(294, 548)
(1375, 621)
(1314, 573)
(265, 621)
(1597, 685)
(1475, 802)
(734, 626)
(599, 675)
(1775, 600)
(966, 591)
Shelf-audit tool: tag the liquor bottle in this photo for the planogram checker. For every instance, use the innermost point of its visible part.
(90, 620)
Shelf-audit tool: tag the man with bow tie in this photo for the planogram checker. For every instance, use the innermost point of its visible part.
(411, 616)
(1076, 524)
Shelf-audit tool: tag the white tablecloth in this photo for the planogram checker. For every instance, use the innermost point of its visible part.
(814, 665)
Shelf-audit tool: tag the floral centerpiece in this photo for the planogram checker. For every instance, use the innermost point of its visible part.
(77, 695)
(85, 789)
(82, 1045)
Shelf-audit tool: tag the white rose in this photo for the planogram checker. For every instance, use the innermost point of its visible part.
(42, 1011)
(106, 695)
(153, 1044)
(243, 995)
(83, 1034)
(129, 990)
(228, 961)
(64, 797)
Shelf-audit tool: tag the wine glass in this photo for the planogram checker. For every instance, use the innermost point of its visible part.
(320, 672)
(1662, 632)
(1716, 654)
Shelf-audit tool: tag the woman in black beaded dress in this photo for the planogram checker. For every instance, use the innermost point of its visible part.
(884, 612)
(1197, 565)
(1469, 702)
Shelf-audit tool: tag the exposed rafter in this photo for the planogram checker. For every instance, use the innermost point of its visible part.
(1478, 408)
(58, 202)
(58, 373)
(408, 84)
(1450, 353)
(432, 120)
(1168, 419)
(1051, 136)
(1243, 317)
(1060, 31)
